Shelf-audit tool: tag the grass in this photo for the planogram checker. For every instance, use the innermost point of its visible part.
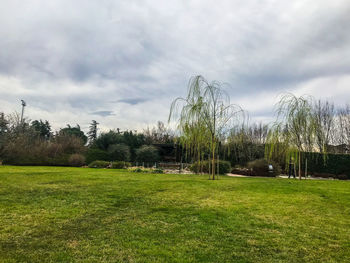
(51, 214)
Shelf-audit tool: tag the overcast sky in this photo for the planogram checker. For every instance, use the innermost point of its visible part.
(123, 62)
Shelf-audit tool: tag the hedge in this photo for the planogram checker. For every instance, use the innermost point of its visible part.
(94, 154)
(61, 160)
(336, 164)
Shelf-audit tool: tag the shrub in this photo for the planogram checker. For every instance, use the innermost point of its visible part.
(224, 167)
(96, 154)
(108, 138)
(137, 170)
(146, 170)
(324, 175)
(120, 165)
(69, 144)
(119, 152)
(147, 153)
(260, 167)
(99, 164)
(76, 160)
(342, 177)
(241, 171)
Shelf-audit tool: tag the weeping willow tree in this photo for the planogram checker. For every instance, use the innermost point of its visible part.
(294, 131)
(204, 119)
(193, 140)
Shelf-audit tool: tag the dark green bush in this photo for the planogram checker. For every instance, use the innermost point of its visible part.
(241, 171)
(147, 153)
(119, 152)
(94, 154)
(76, 160)
(335, 164)
(342, 177)
(34, 160)
(120, 165)
(224, 167)
(108, 138)
(99, 164)
(260, 167)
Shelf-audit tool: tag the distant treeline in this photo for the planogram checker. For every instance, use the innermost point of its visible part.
(24, 142)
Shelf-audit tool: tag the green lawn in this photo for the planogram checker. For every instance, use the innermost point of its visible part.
(50, 214)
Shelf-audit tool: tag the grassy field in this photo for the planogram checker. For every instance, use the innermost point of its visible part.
(50, 214)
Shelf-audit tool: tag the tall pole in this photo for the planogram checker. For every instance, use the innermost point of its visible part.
(23, 105)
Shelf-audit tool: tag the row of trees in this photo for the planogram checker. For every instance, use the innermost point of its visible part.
(211, 127)
(26, 142)
(304, 125)
(208, 128)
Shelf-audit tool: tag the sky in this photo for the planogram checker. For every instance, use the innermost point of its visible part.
(123, 62)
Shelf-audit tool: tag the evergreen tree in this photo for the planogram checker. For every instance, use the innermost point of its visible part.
(42, 127)
(92, 133)
(74, 131)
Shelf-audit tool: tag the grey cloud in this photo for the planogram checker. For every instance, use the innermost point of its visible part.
(103, 113)
(89, 55)
(132, 101)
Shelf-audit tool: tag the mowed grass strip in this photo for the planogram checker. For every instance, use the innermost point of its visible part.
(53, 214)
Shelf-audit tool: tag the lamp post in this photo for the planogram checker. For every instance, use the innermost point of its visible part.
(23, 105)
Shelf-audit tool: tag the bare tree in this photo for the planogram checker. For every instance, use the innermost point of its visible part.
(343, 122)
(159, 134)
(246, 142)
(324, 116)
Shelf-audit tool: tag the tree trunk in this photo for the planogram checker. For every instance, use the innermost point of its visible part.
(218, 172)
(213, 158)
(305, 168)
(209, 171)
(299, 167)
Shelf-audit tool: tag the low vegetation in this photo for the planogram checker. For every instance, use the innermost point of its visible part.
(222, 167)
(261, 167)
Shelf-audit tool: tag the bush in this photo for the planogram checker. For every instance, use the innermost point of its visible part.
(224, 167)
(241, 171)
(76, 160)
(137, 170)
(120, 165)
(69, 144)
(342, 177)
(260, 167)
(147, 153)
(335, 164)
(324, 175)
(99, 164)
(146, 170)
(96, 154)
(108, 138)
(119, 152)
